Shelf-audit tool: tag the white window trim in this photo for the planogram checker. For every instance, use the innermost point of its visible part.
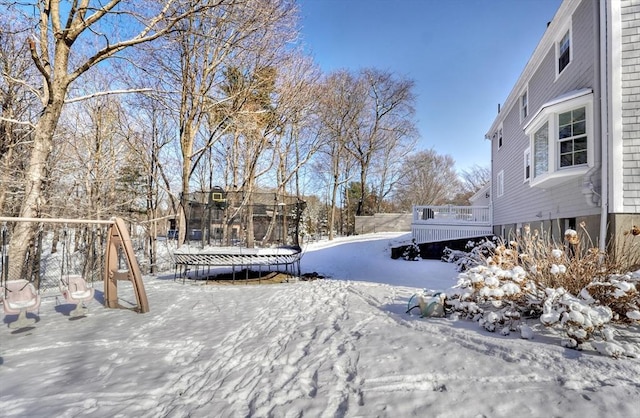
(523, 117)
(568, 27)
(526, 157)
(549, 113)
(500, 134)
(500, 184)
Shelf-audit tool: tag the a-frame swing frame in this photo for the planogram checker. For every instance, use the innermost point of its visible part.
(118, 243)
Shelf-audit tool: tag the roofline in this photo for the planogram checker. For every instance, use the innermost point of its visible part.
(560, 99)
(566, 9)
(485, 187)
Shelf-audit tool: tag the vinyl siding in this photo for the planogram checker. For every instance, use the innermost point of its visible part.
(630, 83)
(520, 202)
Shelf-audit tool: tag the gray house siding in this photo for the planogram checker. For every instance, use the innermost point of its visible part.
(630, 83)
(520, 203)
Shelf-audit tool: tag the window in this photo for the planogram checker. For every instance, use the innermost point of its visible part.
(524, 106)
(563, 52)
(500, 137)
(527, 164)
(541, 150)
(561, 143)
(500, 183)
(572, 136)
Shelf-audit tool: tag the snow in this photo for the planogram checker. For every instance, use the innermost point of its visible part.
(342, 346)
(186, 249)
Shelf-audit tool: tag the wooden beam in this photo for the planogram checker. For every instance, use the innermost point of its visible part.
(59, 220)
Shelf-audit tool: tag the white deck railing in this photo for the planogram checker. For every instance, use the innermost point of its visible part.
(442, 223)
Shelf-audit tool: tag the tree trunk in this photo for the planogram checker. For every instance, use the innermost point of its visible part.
(361, 199)
(332, 213)
(186, 141)
(24, 232)
(250, 236)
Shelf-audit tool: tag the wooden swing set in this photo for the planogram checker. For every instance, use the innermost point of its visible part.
(20, 296)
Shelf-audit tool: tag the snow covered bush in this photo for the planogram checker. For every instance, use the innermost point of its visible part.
(412, 252)
(579, 291)
(620, 293)
(475, 253)
(580, 317)
(495, 297)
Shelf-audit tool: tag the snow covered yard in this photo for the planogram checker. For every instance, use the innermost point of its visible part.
(335, 347)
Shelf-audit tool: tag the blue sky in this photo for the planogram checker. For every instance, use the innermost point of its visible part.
(464, 56)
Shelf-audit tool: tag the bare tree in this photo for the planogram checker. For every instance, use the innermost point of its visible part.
(387, 169)
(18, 104)
(299, 139)
(338, 116)
(68, 41)
(385, 118)
(147, 135)
(428, 179)
(88, 175)
(474, 178)
(219, 56)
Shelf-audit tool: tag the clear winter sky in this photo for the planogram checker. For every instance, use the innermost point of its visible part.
(464, 56)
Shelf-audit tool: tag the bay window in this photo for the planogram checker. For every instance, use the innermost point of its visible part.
(541, 150)
(561, 139)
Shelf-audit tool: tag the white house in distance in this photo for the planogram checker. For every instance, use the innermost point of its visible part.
(565, 146)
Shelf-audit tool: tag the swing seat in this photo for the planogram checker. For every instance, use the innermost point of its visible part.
(20, 297)
(76, 291)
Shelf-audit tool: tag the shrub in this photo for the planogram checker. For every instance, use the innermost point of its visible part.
(412, 252)
(475, 254)
(568, 285)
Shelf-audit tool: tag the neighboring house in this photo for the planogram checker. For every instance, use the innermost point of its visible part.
(565, 147)
(482, 197)
(273, 217)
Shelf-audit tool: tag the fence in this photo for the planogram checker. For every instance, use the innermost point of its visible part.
(81, 251)
(383, 222)
(57, 249)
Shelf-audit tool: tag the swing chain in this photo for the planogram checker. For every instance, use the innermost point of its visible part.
(65, 255)
(4, 259)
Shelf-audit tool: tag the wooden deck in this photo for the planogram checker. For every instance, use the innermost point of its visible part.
(444, 223)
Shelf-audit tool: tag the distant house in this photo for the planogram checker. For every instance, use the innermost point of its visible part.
(482, 197)
(566, 145)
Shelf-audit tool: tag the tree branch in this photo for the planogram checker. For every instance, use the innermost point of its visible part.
(18, 122)
(145, 35)
(105, 93)
(21, 83)
(39, 65)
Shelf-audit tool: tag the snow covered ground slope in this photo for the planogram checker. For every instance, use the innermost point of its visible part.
(340, 347)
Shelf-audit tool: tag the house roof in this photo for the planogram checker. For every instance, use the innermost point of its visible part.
(481, 192)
